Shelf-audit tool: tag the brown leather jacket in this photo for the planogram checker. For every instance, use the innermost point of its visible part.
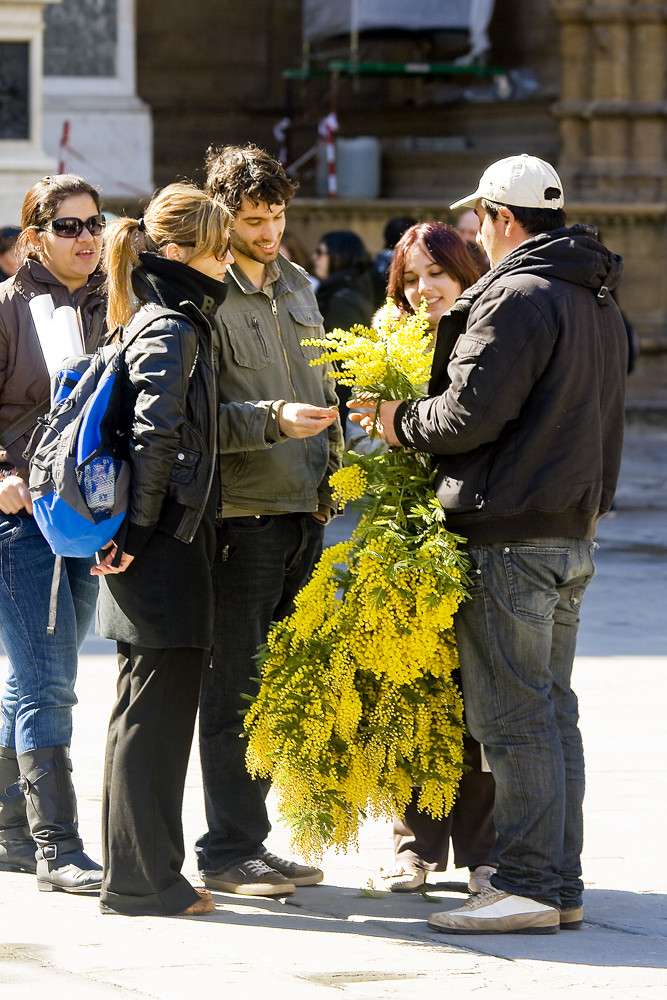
(24, 380)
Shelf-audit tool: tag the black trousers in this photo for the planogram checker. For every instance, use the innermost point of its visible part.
(148, 746)
(423, 841)
(269, 560)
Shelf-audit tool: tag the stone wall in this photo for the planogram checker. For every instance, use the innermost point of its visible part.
(211, 72)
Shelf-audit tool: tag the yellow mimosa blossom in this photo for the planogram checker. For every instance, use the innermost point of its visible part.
(357, 704)
(349, 483)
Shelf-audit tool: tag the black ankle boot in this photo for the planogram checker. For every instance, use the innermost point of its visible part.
(17, 848)
(62, 865)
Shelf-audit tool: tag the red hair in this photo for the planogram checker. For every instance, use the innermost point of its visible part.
(444, 246)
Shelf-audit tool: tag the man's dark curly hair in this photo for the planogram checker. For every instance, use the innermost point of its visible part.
(237, 172)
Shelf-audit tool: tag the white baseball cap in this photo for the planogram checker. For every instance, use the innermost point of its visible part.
(520, 180)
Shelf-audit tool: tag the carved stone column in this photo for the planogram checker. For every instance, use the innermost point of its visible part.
(613, 129)
(22, 157)
(613, 111)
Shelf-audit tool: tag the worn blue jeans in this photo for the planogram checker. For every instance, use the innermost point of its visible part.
(516, 638)
(265, 563)
(36, 708)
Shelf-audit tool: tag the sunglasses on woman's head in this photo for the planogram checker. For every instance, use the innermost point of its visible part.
(71, 227)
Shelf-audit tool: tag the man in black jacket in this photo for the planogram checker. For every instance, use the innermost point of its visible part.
(524, 418)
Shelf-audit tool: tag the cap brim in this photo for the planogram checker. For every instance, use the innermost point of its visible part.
(468, 202)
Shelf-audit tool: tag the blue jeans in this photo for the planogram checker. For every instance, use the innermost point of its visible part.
(36, 708)
(516, 638)
(265, 563)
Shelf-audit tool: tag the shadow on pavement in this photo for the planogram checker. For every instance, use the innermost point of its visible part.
(621, 929)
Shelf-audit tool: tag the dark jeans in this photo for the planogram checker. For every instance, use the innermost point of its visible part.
(421, 840)
(148, 746)
(265, 562)
(516, 640)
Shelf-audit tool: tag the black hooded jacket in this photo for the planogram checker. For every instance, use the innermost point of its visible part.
(525, 411)
(173, 387)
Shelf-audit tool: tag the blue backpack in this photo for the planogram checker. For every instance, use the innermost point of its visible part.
(79, 479)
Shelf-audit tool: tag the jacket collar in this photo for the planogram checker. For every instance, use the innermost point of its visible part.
(35, 272)
(572, 253)
(281, 273)
(171, 283)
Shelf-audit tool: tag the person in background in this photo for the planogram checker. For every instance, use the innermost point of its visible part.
(468, 226)
(9, 264)
(293, 249)
(157, 603)
(345, 290)
(59, 249)
(392, 233)
(276, 455)
(432, 262)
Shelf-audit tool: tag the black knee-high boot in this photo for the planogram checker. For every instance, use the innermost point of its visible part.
(17, 848)
(46, 779)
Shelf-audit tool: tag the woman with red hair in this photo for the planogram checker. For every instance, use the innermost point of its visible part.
(431, 261)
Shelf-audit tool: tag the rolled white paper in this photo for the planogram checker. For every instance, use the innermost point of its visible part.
(58, 330)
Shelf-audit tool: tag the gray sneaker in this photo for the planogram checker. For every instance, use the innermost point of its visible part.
(297, 874)
(253, 877)
(480, 878)
(494, 912)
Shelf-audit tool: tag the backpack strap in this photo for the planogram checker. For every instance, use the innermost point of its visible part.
(140, 322)
(24, 423)
(53, 599)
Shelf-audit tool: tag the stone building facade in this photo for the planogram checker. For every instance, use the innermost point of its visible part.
(583, 85)
(586, 90)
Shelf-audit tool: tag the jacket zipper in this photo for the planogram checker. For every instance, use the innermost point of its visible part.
(274, 310)
(212, 430)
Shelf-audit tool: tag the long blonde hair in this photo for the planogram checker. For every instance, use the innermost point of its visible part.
(180, 213)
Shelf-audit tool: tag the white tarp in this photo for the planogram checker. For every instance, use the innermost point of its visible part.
(325, 18)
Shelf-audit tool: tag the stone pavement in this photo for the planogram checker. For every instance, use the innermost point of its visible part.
(335, 940)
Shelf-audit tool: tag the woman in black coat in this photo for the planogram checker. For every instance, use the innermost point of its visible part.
(158, 602)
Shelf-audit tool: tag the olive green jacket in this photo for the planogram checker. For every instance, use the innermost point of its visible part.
(261, 363)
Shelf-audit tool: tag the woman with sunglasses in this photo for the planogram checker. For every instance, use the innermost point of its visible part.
(157, 603)
(431, 261)
(59, 246)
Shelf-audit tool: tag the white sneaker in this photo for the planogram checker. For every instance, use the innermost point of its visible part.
(495, 912)
(404, 878)
(480, 878)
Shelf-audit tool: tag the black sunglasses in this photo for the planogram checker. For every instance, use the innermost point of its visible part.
(71, 227)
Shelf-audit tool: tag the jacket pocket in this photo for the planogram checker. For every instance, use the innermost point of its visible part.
(468, 346)
(232, 466)
(461, 482)
(188, 459)
(185, 465)
(249, 344)
(533, 573)
(307, 326)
